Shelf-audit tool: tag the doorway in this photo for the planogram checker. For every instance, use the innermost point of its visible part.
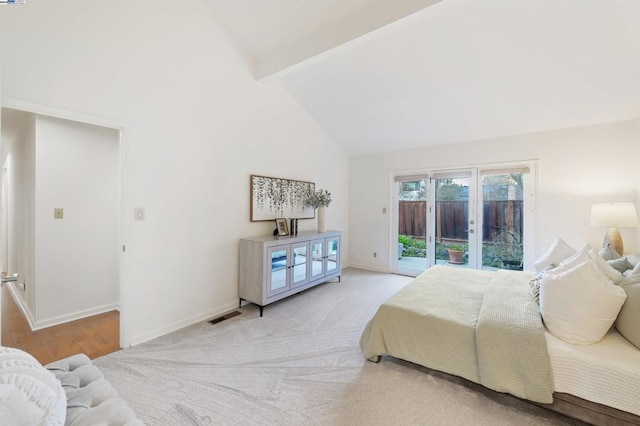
(61, 195)
(410, 224)
(454, 218)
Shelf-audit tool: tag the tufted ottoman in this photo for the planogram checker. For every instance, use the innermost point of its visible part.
(91, 400)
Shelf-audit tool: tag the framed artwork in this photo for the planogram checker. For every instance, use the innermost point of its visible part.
(273, 198)
(281, 226)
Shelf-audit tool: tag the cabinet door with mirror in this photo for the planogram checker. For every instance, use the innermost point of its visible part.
(333, 254)
(317, 258)
(300, 264)
(326, 256)
(278, 270)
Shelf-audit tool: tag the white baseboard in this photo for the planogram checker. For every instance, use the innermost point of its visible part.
(61, 319)
(17, 297)
(50, 322)
(204, 316)
(369, 268)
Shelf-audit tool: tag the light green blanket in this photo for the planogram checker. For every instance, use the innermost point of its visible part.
(479, 325)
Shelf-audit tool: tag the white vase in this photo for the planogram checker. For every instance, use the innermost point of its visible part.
(322, 226)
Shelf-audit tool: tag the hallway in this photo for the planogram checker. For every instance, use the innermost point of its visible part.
(95, 336)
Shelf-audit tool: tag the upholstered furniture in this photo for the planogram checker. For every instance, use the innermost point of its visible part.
(71, 391)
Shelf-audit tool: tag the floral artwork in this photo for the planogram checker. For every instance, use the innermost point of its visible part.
(275, 197)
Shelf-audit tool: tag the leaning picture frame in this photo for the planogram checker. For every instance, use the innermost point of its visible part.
(281, 226)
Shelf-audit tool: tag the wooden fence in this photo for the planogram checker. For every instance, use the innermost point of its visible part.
(499, 216)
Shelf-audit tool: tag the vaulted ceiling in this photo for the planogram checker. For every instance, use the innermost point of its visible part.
(382, 75)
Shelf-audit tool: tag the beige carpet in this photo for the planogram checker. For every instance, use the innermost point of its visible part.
(301, 365)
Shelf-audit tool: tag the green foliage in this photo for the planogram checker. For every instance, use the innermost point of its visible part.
(412, 247)
(447, 190)
(411, 242)
(508, 179)
(320, 198)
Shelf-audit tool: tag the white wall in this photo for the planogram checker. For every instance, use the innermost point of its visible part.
(195, 125)
(576, 168)
(638, 168)
(21, 180)
(77, 169)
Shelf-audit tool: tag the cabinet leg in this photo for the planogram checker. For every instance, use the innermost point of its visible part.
(339, 278)
(240, 304)
(261, 309)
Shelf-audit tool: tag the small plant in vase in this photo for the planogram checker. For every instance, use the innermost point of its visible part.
(456, 252)
(320, 200)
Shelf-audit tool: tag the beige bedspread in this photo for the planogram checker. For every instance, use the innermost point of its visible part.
(483, 326)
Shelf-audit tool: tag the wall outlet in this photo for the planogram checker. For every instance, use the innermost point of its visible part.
(58, 213)
(375, 254)
(138, 213)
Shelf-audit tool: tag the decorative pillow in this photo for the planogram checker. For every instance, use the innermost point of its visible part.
(608, 253)
(581, 304)
(558, 252)
(605, 268)
(580, 256)
(634, 259)
(620, 264)
(632, 272)
(629, 317)
(534, 283)
(29, 393)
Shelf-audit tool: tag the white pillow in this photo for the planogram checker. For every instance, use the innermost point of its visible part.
(605, 268)
(580, 256)
(608, 253)
(558, 252)
(29, 393)
(580, 305)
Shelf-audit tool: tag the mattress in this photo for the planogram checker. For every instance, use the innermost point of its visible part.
(607, 372)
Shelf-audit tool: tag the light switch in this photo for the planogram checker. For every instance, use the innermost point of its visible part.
(384, 210)
(138, 213)
(58, 213)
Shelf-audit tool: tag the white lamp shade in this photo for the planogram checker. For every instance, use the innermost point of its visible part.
(614, 215)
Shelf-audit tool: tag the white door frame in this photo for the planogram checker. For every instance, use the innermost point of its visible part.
(475, 200)
(394, 267)
(474, 235)
(35, 108)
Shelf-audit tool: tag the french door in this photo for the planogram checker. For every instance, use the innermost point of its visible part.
(476, 217)
(409, 224)
(454, 218)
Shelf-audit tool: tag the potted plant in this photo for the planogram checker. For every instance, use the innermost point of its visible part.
(319, 200)
(455, 254)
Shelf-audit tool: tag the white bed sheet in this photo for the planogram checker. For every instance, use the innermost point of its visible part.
(607, 372)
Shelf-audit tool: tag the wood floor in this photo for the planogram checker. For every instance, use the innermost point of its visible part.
(95, 336)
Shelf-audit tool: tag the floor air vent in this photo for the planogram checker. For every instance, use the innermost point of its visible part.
(225, 316)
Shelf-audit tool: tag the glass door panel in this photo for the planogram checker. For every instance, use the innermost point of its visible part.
(300, 268)
(502, 221)
(333, 247)
(279, 257)
(454, 219)
(317, 258)
(411, 217)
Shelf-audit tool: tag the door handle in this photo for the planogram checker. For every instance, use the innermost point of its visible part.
(471, 231)
(9, 279)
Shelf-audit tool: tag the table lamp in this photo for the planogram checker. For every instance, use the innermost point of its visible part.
(614, 216)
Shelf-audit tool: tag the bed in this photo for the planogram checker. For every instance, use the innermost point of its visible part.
(486, 327)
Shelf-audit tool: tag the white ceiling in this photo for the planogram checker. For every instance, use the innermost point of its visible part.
(385, 75)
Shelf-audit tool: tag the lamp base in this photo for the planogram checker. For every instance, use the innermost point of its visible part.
(614, 238)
